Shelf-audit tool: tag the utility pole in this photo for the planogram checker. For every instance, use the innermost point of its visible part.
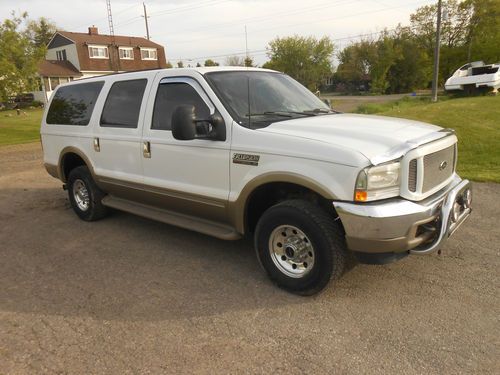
(146, 19)
(246, 41)
(436, 54)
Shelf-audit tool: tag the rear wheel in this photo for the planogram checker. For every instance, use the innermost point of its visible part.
(300, 246)
(85, 196)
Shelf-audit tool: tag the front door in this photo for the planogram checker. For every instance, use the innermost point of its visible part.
(190, 177)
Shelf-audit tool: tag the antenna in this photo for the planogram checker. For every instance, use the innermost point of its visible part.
(146, 19)
(110, 18)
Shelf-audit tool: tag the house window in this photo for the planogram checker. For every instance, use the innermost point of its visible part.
(61, 55)
(98, 52)
(149, 54)
(126, 53)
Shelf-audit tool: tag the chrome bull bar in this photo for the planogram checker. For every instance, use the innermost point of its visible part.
(448, 222)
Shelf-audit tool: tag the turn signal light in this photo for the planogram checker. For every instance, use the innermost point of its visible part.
(360, 196)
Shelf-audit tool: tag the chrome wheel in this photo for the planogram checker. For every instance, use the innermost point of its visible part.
(81, 195)
(291, 251)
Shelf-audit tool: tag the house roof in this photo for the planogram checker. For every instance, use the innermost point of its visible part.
(55, 68)
(120, 40)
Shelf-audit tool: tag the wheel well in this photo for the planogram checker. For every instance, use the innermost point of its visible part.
(273, 193)
(69, 162)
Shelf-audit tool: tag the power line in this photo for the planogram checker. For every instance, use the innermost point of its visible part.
(264, 51)
(257, 19)
(189, 7)
(291, 25)
(105, 18)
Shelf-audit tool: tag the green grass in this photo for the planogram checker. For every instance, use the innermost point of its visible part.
(16, 129)
(476, 121)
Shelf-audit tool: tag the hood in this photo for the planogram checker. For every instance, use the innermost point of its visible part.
(371, 136)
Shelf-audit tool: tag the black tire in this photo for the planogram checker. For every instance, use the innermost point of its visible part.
(95, 209)
(324, 234)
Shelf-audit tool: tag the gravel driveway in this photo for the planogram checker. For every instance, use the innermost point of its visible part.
(129, 295)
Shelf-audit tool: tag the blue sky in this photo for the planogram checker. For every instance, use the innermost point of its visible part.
(195, 30)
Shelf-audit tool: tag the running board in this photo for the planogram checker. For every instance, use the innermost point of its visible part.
(224, 232)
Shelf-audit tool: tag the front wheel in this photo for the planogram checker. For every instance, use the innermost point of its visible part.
(300, 246)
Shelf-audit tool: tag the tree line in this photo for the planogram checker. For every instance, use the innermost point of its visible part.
(401, 60)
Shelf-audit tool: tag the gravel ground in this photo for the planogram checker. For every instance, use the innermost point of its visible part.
(131, 296)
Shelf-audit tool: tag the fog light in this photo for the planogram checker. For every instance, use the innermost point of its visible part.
(455, 212)
(467, 198)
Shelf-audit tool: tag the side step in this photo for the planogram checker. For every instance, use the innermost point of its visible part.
(224, 232)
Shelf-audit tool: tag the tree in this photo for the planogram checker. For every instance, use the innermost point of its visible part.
(180, 64)
(19, 57)
(484, 31)
(412, 67)
(234, 61)
(210, 62)
(40, 31)
(169, 65)
(248, 62)
(307, 59)
(455, 32)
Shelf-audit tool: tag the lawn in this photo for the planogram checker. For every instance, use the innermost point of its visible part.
(476, 121)
(23, 128)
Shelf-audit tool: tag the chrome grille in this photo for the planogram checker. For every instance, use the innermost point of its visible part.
(438, 167)
(412, 176)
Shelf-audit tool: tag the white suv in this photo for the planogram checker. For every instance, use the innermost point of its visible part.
(235, 151)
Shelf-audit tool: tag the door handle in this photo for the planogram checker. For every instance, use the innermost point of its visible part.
(97, 146)
(146, 149)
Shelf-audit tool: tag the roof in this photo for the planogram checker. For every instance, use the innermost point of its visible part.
(56, 68)
(103, 39)
(208, 69)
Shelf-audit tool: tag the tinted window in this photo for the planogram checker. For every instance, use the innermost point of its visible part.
(73, 105)
(123, 104)
(172, 95)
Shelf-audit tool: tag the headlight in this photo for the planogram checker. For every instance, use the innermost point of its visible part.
(378, 182)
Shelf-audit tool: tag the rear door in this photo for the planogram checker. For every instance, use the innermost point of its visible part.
(192, 176)
(118, 131)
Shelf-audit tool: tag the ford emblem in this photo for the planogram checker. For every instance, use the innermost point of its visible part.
(443, 165)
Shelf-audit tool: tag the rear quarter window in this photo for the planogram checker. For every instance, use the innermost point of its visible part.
(73, 105)
(123, 104)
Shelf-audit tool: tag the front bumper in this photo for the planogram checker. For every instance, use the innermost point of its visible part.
(399, 225)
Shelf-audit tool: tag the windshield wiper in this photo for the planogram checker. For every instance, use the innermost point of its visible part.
(271, 113)
(284, 113)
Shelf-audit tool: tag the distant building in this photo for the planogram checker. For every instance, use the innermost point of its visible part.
(73, 56)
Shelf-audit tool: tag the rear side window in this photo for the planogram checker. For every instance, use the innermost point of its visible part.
(123, 104)
(73, 105)
(172, 95)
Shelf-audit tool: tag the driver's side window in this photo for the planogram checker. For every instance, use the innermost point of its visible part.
(172, 95)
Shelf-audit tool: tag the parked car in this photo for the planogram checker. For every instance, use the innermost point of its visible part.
(474, 75)
(231, 152)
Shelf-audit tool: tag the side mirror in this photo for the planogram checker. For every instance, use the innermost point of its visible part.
(183, 125)
(186, 127)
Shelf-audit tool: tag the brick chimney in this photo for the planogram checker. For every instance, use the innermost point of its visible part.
(93, 30)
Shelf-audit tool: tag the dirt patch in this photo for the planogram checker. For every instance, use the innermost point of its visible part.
(129, 295)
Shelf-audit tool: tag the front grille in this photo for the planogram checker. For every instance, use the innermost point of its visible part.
(412, 176)
(438, 167)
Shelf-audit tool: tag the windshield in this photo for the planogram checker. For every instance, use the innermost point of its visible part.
(257, 99)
